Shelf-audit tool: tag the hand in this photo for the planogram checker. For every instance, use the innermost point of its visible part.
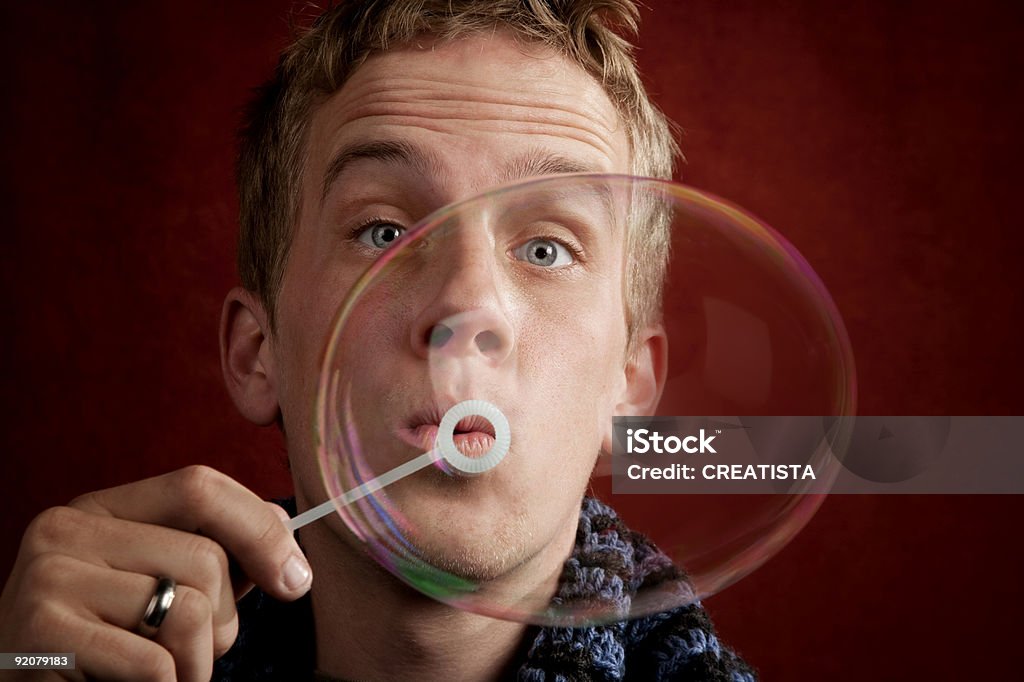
(86, 572)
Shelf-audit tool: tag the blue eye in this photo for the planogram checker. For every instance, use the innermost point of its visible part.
(381, 235)
(546, 253)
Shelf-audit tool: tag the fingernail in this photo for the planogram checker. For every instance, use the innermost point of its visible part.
(296, 573)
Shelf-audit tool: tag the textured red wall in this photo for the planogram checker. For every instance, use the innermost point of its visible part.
(881, 138)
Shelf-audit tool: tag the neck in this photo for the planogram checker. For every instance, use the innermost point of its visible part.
(371, 626)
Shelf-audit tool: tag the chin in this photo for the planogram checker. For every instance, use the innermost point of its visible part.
(514, 565)
(479, 562)
(472, 534)
(492, 528)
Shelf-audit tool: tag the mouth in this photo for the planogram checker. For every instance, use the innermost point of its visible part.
(473, 435)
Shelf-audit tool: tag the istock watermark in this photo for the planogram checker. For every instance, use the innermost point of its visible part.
(652, 441)
(817, 455)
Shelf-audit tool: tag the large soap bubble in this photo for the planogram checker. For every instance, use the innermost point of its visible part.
(473, 373)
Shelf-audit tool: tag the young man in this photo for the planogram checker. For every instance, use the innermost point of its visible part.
(382, 113)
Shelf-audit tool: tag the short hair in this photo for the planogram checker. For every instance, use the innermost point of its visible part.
(274, 133)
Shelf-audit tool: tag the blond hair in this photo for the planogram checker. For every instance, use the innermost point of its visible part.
(318, 63)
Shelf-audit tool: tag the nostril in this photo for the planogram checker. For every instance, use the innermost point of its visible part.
(440, 335)
(487, 341)
(475, 332)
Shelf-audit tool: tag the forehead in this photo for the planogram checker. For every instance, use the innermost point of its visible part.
(465, 114)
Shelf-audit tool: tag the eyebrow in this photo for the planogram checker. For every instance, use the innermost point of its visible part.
(535, 162)
(388, 151)
(538, 162)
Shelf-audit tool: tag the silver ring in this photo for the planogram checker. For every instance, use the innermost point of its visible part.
(159, 605)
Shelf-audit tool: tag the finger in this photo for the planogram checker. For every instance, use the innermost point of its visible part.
(186, 631)
(188, 634)
(241, 584)
(120, 598)
(146, 549)
(202, 500)
(102, 651)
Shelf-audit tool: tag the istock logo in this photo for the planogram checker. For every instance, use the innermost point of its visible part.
(652, 441)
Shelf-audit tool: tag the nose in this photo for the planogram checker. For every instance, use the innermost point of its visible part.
(466, 319)
(480, 332)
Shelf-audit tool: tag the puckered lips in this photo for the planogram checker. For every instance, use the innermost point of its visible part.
(473, 435)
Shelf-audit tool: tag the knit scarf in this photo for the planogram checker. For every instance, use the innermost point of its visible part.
(609, 564)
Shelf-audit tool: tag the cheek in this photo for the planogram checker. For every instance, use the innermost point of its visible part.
(574, 362)
(305, 314)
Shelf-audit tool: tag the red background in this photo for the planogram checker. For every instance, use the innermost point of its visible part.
(883, 141)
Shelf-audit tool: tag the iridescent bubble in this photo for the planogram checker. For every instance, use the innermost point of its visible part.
(508, 330)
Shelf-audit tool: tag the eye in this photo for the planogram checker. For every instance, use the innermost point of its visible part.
(380, 235)
(546, 253)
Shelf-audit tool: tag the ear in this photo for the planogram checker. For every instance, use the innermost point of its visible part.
(645, 374)
(644, 379)
(246, 358)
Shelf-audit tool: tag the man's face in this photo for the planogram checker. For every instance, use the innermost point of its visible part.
(412, 130)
